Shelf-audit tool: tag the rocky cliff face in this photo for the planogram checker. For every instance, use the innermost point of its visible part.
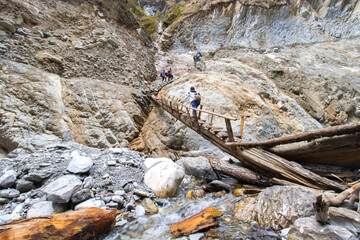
(71, 70)
(264, 24)
(290, 66)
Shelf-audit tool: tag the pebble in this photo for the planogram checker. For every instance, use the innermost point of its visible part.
(44, 164)
(111, 163)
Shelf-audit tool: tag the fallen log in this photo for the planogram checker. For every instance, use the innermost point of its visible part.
(352, 193)
(272, 165)
(201, 220)
(89, 223)
(306, 136)
(242, 174)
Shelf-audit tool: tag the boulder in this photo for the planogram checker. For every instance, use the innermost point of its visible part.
(309, 228)
(345, 218)
(280, 206)
(149, 206)
(61, 190)
(243, 209)
(199, 167)
(163, 177)
(44, 209)
(8, 179)
(24, 185)
(9, 193)
(90, 203)
(79, 164)
(5, 218)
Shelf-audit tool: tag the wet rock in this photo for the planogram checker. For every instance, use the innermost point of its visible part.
(81, 196)
(37, 177)
(163, 176)
(79, 164)
(139, 211)
(61, 190)
(280, 206)
(198, 167)
(217, 186)
(24, 185)
(90, 203)
(243, 209)
(149, 206)
(198, 193)
(309, 228)
(9, 193)
(8, 179)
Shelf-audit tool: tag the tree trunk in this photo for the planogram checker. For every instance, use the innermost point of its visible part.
(202, 220)
(89, 223)
(238, 172)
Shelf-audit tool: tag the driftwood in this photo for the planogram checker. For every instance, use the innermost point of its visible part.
(274, 166)
(202, 220)
(89, 223)
(321, 208)
(306, 136)
(323, 202)
(244, 175)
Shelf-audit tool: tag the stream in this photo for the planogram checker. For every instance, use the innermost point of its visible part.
(173, 210)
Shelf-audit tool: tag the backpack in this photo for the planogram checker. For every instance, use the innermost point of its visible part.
(197, 97)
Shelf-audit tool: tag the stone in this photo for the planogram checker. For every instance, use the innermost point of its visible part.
(112, 204)
(8, 179)
(9, 193)
(7, 25)
(37, 177)
(118, 199)
(217, 185)
(345, 218)
(90, 203)
(24, 185)
(149, 206)
(88, 183)
(279, 206)
(197, 193)
(41, 209)
(81, 195)
(199, 167)
(111, 163)
(4, 218)
(79, 164)
(243, 209)
(4, 200)
(139, 211)
(18, 212)
(309, 228)
(163, 177)
(46, 56)
(61, 190)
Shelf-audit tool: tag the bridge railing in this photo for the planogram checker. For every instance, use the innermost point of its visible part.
(177, 108)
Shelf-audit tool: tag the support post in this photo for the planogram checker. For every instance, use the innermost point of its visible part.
(201, 107)
(212, 116)
(241, 127)
(229, 130)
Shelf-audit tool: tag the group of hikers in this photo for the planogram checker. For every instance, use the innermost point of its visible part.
(166, 74)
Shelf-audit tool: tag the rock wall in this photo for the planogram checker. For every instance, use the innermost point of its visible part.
(264, 24)
(72, 70)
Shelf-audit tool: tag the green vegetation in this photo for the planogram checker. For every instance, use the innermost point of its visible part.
(173, 16)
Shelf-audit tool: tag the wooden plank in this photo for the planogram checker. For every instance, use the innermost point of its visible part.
(229, 130)
(306, 136)
(212, 116)
(275, 166)
(197, 123)
(89, 223)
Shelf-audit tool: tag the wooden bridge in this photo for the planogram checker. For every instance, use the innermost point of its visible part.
(338, 145)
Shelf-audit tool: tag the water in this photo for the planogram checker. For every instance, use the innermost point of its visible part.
(176, 209)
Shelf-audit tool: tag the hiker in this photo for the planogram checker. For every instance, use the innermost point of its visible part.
(221, 45)
(170, 75)
(196, 59)
(163, 76)
(198, 54)
(194, 98)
